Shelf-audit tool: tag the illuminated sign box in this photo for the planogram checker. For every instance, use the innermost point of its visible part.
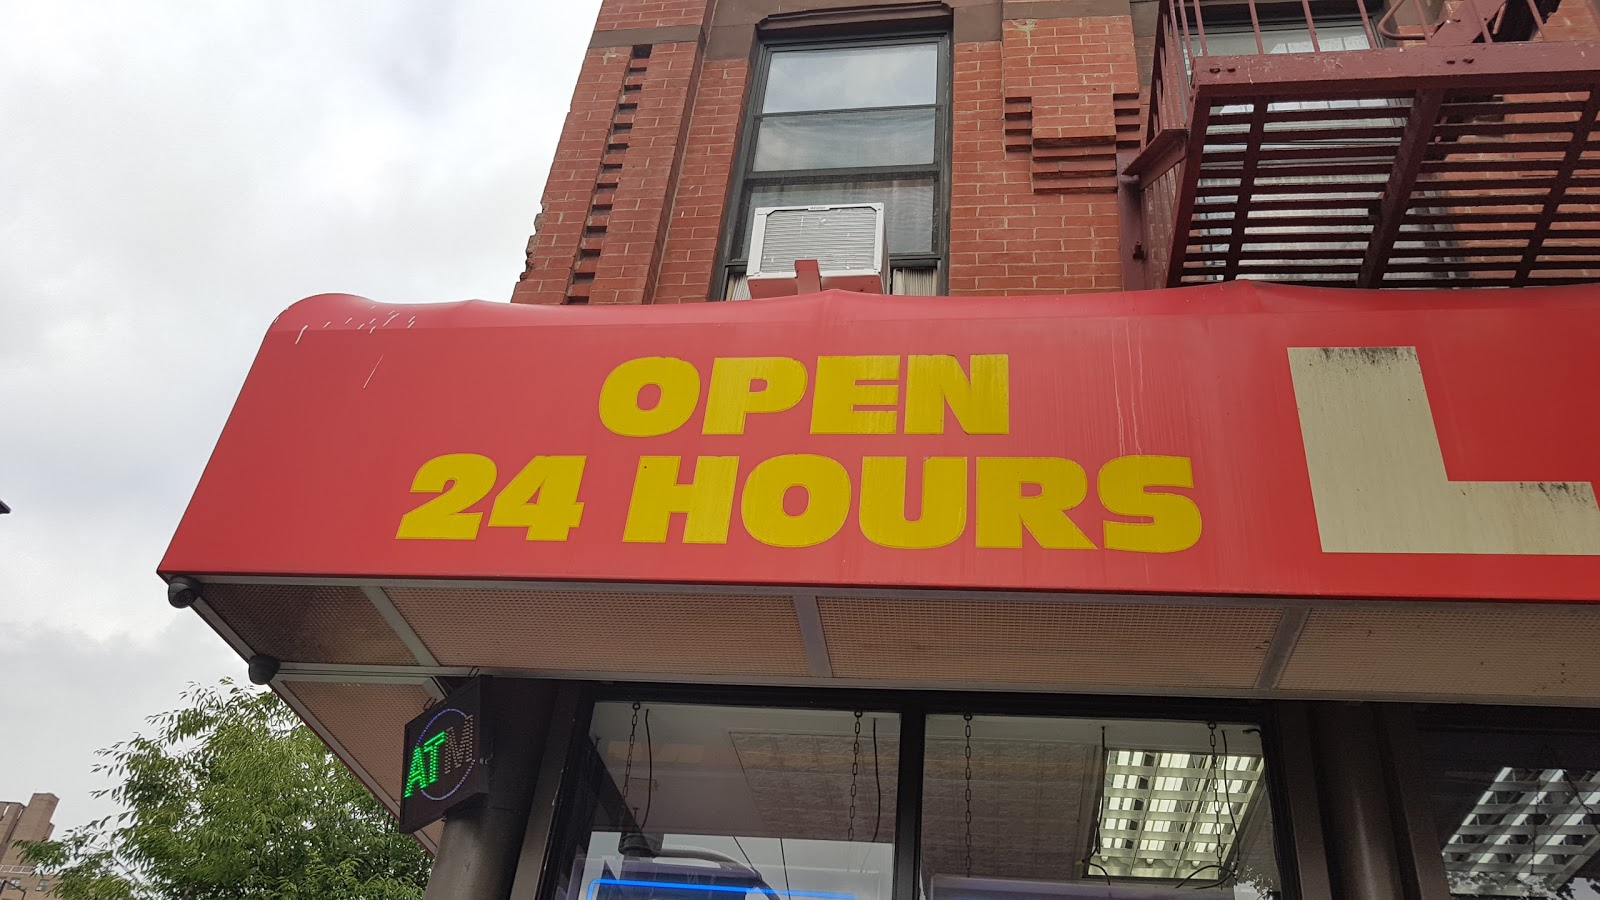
(443, 762)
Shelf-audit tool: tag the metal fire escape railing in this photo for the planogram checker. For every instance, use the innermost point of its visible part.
(1464, 22)
(1424, 145)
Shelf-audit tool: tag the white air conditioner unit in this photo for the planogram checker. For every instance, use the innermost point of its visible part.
(845, 240)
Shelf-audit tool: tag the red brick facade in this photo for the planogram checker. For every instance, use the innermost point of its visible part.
(691, 238)
(570, 228)
(1036, 121)
(1046, 108)
(616, 15)
(633, 211)
(602, 228)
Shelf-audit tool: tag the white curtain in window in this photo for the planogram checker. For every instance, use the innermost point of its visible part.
(919, 282)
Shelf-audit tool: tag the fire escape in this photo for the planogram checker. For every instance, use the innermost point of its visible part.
(1427, 145)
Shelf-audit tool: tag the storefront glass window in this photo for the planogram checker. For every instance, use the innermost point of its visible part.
(688, 802)
(1022, 808)
(1516, 814)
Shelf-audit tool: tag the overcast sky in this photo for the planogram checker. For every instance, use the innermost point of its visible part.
(172, 175)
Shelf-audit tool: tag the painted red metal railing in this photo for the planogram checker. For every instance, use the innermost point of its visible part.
(1182, 24)
(1411, 147)
(1181, 44)
(1463, 22)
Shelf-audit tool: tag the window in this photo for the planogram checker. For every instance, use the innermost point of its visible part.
(690, 802)
(687, 801)
(1515, 813)
(1284, 36)
(1027, 808)
(850, 123)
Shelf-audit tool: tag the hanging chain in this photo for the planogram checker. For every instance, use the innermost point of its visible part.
(968, 795)
(1221, 794)
(627, 767)
(855, 769)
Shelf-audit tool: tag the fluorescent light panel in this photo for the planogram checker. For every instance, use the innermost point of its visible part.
(1530, 832)
(1169, 815)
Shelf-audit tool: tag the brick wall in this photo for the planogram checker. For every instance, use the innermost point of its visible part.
(1072, 96)
(1037, 117)
(1045, 111)
(600, 232)
(569, 223)
(647, 148)
(692, 230)
(1574, 21)
(634, 207)
(619, 14)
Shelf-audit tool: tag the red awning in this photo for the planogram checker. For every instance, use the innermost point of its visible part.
(1226, 490)
(1230, 439)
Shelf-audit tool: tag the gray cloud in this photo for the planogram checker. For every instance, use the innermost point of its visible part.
(67, 696)
(174, 175)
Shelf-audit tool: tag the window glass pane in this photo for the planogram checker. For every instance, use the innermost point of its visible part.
(1240, 40)
(1037, 809)
(1516, 814)
(908, 206)
(729, 803)
(898, 137)
(852, 78)
(917, 282)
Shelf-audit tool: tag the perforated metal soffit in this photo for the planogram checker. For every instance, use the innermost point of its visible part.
(1381, 649)
(366, 720)
(308, 622)
(363, 723)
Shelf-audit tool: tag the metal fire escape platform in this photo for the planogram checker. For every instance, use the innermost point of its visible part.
(1414, 165)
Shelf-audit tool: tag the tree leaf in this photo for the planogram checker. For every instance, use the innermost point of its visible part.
(231, 796)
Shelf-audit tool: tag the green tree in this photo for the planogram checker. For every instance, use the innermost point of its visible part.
(233, 797)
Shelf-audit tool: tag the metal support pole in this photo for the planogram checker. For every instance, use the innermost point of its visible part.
(1357, 820)
(1419, 843)
(908, 806)
(1296, 797)
(478, 854)
(568, 727)
(1133, 247)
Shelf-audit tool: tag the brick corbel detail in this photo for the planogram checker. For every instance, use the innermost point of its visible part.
(599, 235)
(567, 234)
(641, 165)
(1071, 92)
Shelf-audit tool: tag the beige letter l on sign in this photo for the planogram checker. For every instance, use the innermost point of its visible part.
(1377, 473)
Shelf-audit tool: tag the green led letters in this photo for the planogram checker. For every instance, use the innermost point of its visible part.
(424, 768)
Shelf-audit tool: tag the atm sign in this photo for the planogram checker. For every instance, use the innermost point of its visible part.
(443, 758)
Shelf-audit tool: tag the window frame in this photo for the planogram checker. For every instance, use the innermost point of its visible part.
(1404, 724)
(913, 709)
(729, 260)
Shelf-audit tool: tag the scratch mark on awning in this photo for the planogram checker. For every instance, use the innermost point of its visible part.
(370, 374)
